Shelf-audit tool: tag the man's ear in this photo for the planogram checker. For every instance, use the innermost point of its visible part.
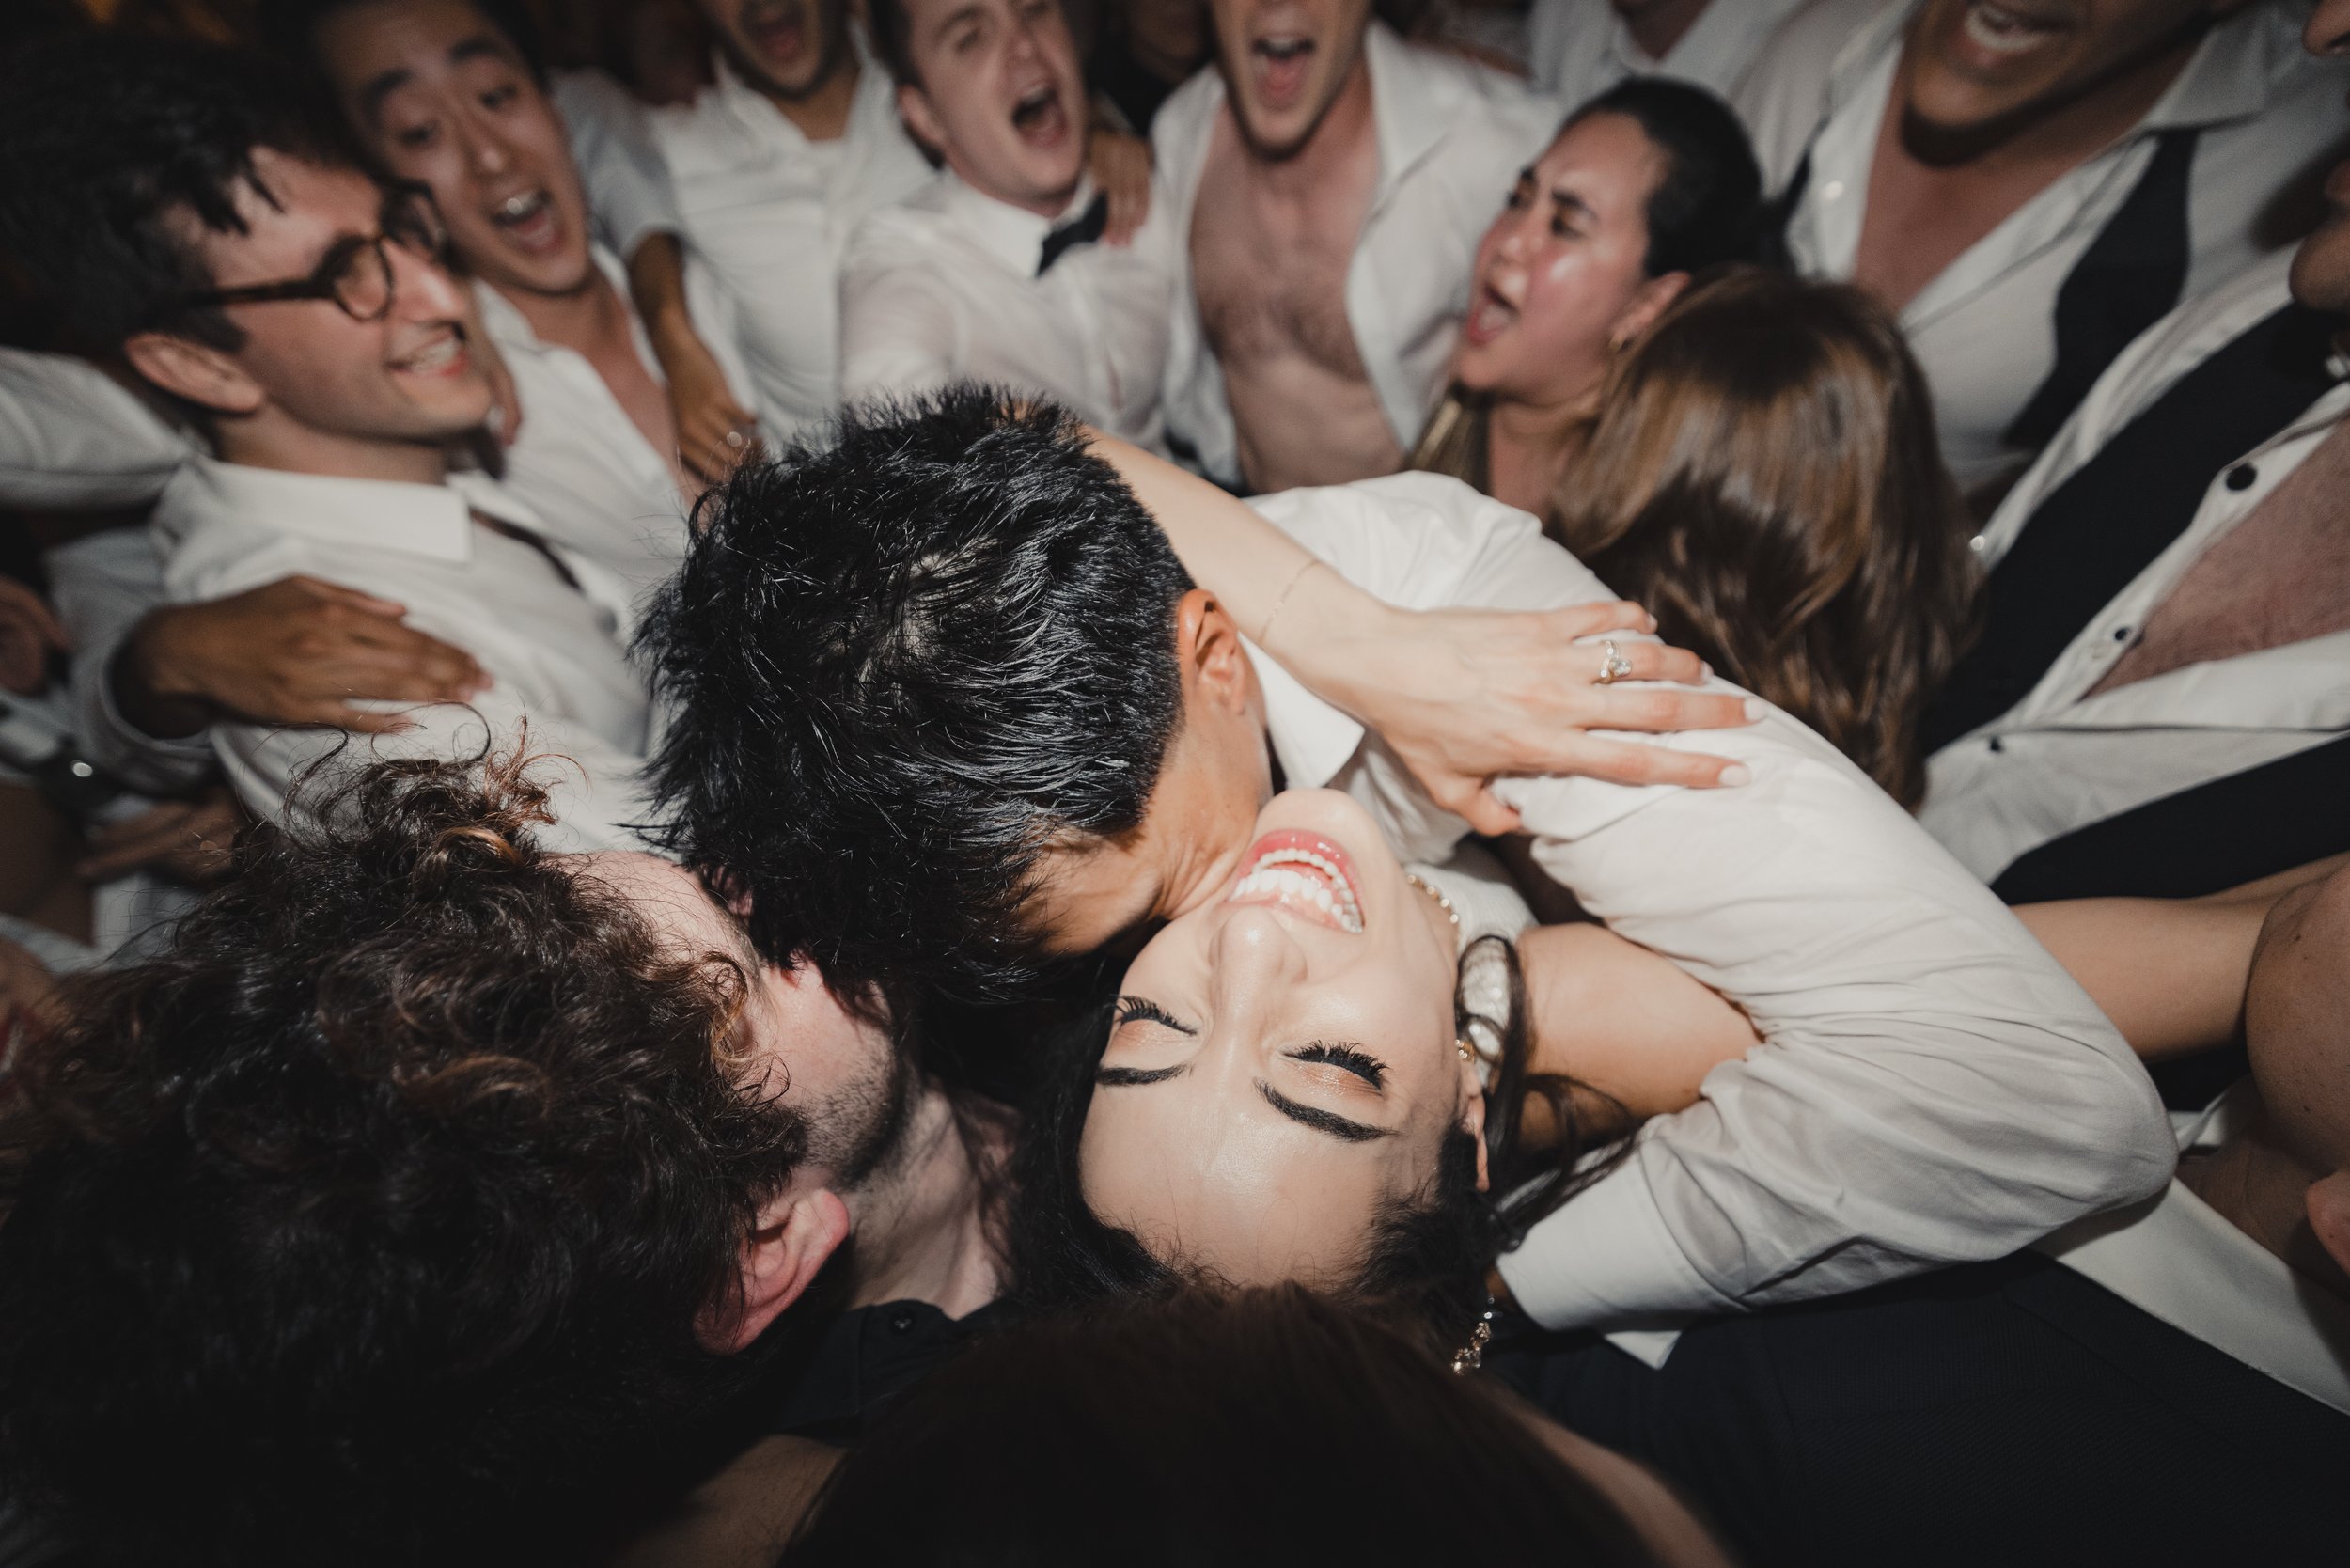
(914, 107)
(1207, 647)
(2329, 1206)
(196, 371)
(1646, 306)
(794, 1237)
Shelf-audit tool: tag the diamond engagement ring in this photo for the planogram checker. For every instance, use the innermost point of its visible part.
(1613, 666)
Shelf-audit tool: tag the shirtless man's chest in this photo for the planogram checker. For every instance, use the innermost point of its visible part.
(1271, 245)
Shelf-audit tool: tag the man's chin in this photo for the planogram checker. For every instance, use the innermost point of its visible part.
(2321, 268)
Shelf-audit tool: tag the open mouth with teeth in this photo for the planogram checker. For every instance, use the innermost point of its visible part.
(1281, 63)
(2006, 31)
(1039, 118)
(529, 221)
(1304, 873)
(444, 355)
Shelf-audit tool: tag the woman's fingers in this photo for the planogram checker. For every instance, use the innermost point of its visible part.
(1638, 762)
(1659, 710)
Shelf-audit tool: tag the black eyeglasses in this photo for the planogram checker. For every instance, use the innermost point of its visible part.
(355, 273)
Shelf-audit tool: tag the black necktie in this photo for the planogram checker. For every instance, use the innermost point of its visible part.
(1083, 229)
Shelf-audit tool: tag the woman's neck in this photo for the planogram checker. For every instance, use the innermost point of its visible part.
(1528, 449)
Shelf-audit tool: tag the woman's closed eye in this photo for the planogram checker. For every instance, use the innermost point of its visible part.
(1140, 1010)
(1347, 1057)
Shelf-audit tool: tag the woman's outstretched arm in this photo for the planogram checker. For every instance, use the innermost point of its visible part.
(2169, 973)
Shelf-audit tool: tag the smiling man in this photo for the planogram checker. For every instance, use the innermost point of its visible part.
(997, 271)
(2032, 184)
(1325, 187)
(775, 167)
(439, 93)
(234, 255)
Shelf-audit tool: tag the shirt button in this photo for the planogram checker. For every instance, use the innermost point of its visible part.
(2121, 633)
(2242, 476)
(1997, 744)
(901, 1320)
(1979, 543)
(1832, 191)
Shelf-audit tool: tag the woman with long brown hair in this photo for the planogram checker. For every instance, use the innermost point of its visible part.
(1762, 474)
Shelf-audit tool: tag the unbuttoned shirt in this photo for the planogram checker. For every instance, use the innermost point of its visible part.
(944, 286)
(2175, 1257)
(1581, 48)
(541, 620)
(580, 464)
(1984, 329)
(772, 212)
(1452, 137)
(1931, 1086)
(2061, 757)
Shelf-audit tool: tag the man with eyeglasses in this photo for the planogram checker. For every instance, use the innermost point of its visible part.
(193, 225)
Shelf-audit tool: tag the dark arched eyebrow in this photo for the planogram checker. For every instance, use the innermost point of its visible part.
(1334, 1125)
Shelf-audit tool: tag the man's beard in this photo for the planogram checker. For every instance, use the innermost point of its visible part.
(858, 1133)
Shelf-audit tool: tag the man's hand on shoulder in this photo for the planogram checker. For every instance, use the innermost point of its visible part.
(1121, 165)
(294, 653)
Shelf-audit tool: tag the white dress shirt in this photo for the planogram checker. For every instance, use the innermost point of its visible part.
(74, 438)
(580, 463)
(2062, 758)
(944, 286)
(772, 212)
(540, 620)
(1930, 1087)
(2174, 1258)
(619, 164)
(1453, 137)
(1984, 329)
(1581, 48)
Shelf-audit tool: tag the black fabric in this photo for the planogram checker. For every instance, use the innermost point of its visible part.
(867, 1358)
(2130, 277)
(1083, 229)
(2216, 836)
(2009, 1413)
(1136, 93)
(2103, 526)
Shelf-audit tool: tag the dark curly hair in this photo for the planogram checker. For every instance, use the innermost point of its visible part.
(1424, 1266)
(108, 142)
(371, 1222)
(1263, 1427)
(901, 664)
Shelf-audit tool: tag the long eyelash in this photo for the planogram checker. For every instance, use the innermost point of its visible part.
(1132, 1007)
(1367, 1068)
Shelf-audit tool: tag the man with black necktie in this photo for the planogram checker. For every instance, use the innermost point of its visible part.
(997, 271)
(2032, 184)
(2159, 701)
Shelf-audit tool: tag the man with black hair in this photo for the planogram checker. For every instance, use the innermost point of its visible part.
(438, 93)
(432, 1197)
(948, 706)
(997, 271)
(187, 218)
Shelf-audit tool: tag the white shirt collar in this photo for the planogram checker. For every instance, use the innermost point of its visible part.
(1409, 117)
(1011, 234)
(2174, 1258)
(430, 521)
(504, 321)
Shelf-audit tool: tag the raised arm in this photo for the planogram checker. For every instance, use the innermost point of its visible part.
(1461, 695)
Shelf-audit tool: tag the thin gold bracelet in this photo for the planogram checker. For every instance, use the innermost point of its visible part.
(1274, 614)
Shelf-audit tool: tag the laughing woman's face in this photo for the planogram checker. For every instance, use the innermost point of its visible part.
(1282, 1069)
